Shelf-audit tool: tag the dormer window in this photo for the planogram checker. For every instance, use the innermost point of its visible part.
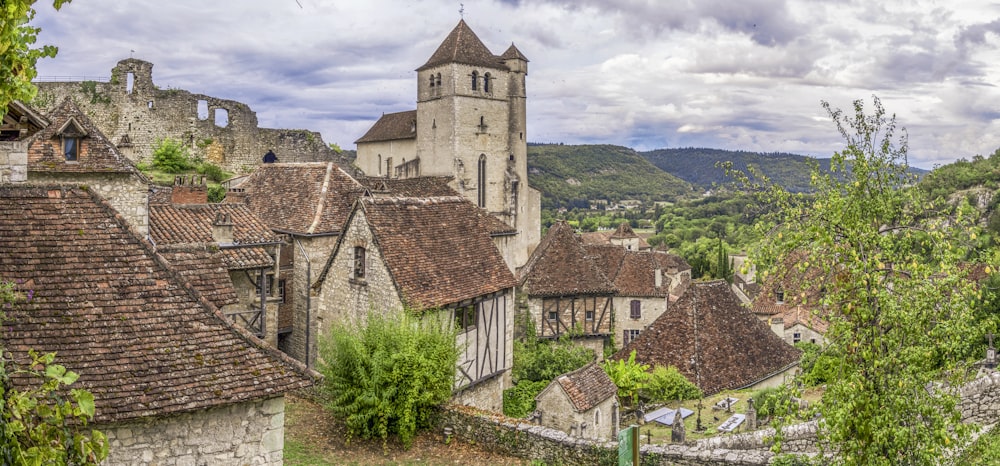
(475, 80)
(71, 148)
(70, 136)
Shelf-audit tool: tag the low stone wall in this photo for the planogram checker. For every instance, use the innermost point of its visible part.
(981, 400)
(522, 439)
(240, 434)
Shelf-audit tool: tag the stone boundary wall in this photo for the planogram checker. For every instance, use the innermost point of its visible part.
(13, 162)
(516, 437)
(981, 400)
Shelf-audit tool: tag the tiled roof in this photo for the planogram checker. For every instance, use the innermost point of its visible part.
(513, 52)
(815, 319)
(242, 258)
(797, 287)
(192, 224)
(560, 266)
(624, 231)
(392, 126)
(97, 153)
(421, 186)
(143, 340)
(463, 46)
(633, 273)
(302, 198)
(206, 273)
(587, 386)
(713, 340)
(435, 249)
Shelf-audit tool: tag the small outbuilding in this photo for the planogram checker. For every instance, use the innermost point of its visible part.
(581, 403)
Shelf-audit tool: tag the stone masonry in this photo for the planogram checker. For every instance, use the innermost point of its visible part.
(13, 162)
(135, 113)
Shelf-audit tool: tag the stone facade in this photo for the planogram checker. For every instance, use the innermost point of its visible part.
(557, 412)
(625, 326)
(239, 434)
(306, 299)
(134, 113)
(13, 162)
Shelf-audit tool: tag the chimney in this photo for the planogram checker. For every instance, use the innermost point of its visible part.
(222, 228)
(235, 196)
(189, 189)
(658, 277)
(778, 326)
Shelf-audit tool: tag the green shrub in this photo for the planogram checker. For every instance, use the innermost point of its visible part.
(542, 360)
(171, 156)
(216, 193)
(819, 364)
(519, 400)
(629, 376)
(213, 172)
(774, 401)
(387, 377)
(668, 384)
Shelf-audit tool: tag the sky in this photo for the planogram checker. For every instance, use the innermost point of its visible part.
(739, 75)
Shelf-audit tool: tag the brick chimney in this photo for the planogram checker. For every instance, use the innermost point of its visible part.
(222, 228)
(189, 189)
(235, 196)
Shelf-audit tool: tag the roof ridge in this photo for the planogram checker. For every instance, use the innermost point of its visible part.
(323, 192)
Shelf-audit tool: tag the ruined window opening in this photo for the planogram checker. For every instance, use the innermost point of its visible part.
(482, 180)
(635, 309)
(129, 82)
(359, 262)
(465, 318)
(71, 148)
(221, 117)
(202, 109)
(149, 104)
(486, 82)
(475, 80)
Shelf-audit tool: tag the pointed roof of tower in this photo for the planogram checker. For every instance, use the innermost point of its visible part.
(463, 46)
(513, 52)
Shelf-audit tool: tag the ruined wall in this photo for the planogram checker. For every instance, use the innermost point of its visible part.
(239, 434)
(134, 113)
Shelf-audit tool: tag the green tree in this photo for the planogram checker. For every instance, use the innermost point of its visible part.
(386, 377)
(45, 424)
(17, 55)
(171, 156)
(629, 376)
(668, 384)
(900, 306)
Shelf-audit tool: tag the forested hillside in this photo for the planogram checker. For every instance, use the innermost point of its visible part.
(569, 176)
(698, 166)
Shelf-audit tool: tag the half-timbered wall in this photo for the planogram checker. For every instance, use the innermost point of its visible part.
(579, 315)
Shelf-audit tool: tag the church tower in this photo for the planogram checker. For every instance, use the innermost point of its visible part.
(471, 125)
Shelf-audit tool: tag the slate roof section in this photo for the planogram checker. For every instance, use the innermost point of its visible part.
(435, 249)
(302, 198)
(192, 224)
(97, 153)
(587, 386)
(513, 52)
(144, 342)
(561, 266)
(206, 273)
(391, 127)
(713, 340)
(421, 186)
(464, 47)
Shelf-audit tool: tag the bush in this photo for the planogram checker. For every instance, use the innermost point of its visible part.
(774, 401)
(668, 384)
(519, 400)
(212, 171)
(216, 193)
(542, 360)
(628, 375)
(387, 377)
(171, 156)
(819, 364)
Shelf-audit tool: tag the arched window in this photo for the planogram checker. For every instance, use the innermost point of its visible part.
(597, 417)
(482, 180)
(432, 80)
(486, 82)
(475, 80)
(359, 262)
(379, 164)
(439, 79)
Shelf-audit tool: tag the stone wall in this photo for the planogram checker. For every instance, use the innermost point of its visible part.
(239, 434)
(305, 273)
(134, 113)
(127, 193)
(13, 162)
(981, 400)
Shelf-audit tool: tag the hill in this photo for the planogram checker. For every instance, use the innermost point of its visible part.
(569, 176)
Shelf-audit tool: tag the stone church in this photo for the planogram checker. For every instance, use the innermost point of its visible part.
(470, 125)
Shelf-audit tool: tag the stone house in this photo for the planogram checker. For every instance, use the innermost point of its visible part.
(715, 342)
(432, 254)
(623, 236)
(72, 150)
(173, 381)
(582, 403)
(471, 125)
(224, 250)
(789, 301)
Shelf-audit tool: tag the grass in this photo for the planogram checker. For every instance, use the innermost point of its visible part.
(985, 450)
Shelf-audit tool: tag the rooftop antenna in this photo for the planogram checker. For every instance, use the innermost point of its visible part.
(461, 10)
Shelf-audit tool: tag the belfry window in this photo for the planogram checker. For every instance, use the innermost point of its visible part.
(439, 79)
(482, 180)
(486, 82)
(475, 80)
(432, 80)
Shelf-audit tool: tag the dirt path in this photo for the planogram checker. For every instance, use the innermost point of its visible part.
(313, 437)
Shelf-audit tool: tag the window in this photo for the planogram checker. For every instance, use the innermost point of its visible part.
(359, 262)
(597, 417)
(630, 335)
(796, 337)
(71, 148)
(486, 82)
(432, 80)
(465, 318)
(281, 290)
(482, 180)
(635, 309)
(590, 316)
(779, 296)
(379, 164)
(438, 79)
(475, 80)
(553, 315)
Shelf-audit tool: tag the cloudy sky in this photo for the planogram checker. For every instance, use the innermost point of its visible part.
(648, 74)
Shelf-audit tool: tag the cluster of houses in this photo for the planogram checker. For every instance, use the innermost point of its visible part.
(190, 321)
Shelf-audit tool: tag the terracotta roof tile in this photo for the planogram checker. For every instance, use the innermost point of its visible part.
(713, 340)
(560, 265)
(206, 273)
(513, 52)
(587, 386)
(421, 186)
(436, 249)
(143, 340)
(392, 126)
(463, 46)
(97, 153)
(192, 224)
(302, 198)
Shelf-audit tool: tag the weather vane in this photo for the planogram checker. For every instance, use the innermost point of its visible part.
(461, 10)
